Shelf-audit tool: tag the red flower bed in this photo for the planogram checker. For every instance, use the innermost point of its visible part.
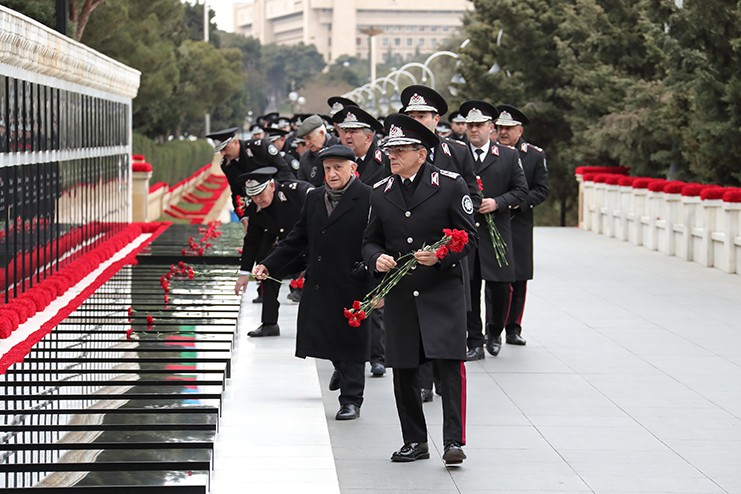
(614, 179)
(656, 185)
(589, 177)
(641, 182)
(601, 178)
(674, 187)
(141, 167)
(137, 157)
(620, 170)
(626, 181)
(693, 190)
(713, 192)
(733, 195)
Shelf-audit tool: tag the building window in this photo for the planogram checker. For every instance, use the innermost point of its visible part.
(410, 42)
(357, 41)
(433, 42)
(446, 28)
(421, 42)
(385, 41)
(397, 41)
(433, 28)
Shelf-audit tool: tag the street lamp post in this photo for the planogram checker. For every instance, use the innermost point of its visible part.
(207, 116)
(372, 32)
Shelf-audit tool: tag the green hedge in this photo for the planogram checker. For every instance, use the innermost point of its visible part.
(174, 160)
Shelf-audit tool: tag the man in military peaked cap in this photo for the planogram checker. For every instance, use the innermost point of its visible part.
(274, 207)
(240, 157)
(426, 105)
(510, 128)
(425, 312)
(458, 126)
(503, 188)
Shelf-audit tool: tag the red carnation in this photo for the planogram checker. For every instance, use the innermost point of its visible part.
(441, 252)
(481, 184)
(131, 311)
(150, 320)
(129, 332)
(356, 305)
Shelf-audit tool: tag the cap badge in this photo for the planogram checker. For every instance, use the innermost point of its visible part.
(416, 99)
(337, 107)
(505, 115)
(475, 113)
(350, 117)
(395, 132)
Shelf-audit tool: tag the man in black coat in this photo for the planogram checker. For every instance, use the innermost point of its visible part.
(273, 209)
(239, 157)
(314, 132)
(359, 130)
(331, 227)
(425, 312)
(504, 188)
(510, 127)
(426, 105)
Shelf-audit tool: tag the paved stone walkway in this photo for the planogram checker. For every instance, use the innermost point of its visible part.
(630, 383)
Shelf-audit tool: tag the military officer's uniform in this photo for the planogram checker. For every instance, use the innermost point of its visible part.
(503, 180)
(536, 173)
(425, 312)
(265, 229)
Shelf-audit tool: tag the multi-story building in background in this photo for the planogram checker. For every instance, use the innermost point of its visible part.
(341, 27)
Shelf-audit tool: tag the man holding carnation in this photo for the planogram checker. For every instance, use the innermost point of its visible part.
(331, 228)
(425, 310)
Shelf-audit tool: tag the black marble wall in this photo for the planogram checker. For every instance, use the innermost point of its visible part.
(64, 178)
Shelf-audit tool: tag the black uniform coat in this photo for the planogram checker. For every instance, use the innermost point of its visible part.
(536, 174)
(310, 167)
(375, 166)
(429, 302)
(232, 169)
(453, 156)
(335, 276)
(268, 226)
(503, 180)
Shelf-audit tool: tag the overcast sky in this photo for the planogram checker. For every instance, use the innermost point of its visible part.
(223, 9)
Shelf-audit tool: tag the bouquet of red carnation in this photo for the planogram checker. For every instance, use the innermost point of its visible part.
(452, 241)
(500, 246)
(297, 283)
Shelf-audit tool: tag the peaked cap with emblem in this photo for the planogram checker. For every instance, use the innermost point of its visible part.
(352, 117)
(274, 133)
(221, 138)
(402, 130)
(477, 111)
(337, 103)
(456, 117)
(257, 180)
(510, 116)
(423, 98)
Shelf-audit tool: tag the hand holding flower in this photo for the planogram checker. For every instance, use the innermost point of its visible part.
(488, 205)
(385, 263)
(260, 272)
(426, 257)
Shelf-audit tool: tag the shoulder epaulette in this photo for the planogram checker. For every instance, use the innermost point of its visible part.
(381, 182)
(460, 143)
(449, 174)
(535, 147)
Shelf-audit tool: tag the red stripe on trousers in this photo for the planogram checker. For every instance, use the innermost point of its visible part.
(463, 401)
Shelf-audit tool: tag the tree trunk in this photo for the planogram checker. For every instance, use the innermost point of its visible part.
(81, 17)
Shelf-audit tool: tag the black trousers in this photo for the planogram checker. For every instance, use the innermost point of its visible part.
(516, 307)
(270, 304)
(378, 337)
(496, 299)
(352, 381)
(429, 374)
(409, 402)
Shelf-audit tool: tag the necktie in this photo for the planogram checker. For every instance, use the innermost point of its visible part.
(406, 183)
(479, 155)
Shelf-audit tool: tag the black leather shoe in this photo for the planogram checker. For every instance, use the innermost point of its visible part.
(426, 395)
(266, 330)
(453, 454)
(475, 354)
(493, 346)
(295, 295)
(334, 381)
(516, 339)
(411, 452)
(257, 300)
(348, 411)
(378, 369)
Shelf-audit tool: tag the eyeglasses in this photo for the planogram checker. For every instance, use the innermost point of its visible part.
(396, 150)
